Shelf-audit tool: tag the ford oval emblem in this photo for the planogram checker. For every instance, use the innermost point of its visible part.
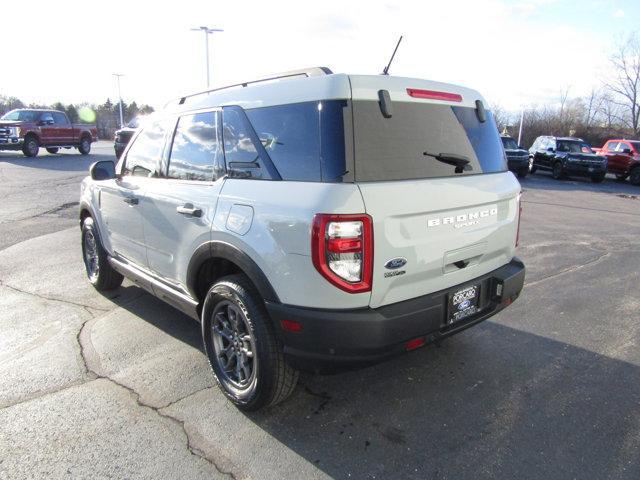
(395, 263)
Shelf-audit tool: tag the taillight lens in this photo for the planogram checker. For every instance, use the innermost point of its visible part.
(342, 250)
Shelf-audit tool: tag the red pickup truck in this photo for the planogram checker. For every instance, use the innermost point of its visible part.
(28, 130)
(623, 159)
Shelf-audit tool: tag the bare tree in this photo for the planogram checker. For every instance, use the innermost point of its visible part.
(625, 84)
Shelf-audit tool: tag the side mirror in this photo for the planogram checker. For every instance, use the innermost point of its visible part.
(626, 151)
(103, 170)
(551, 149)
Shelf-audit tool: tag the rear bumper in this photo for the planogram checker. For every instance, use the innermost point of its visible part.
(338, 339)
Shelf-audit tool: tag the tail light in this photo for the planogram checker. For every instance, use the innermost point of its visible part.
(519, 200)
(342, 250)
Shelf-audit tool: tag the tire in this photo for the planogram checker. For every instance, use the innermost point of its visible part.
(31, 146)
(522, 173)
(621, 178)
(235, 323)
(557, 171)
(104, 277)
(52, 150)
(598, 178)
(634, 176)
(85, 146)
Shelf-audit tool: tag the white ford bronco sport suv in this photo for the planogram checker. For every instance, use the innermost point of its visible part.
(311, 221)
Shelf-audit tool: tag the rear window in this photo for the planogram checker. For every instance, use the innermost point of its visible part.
(305, 141)
(394, 148)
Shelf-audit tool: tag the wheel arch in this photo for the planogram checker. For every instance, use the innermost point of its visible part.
(215, 259)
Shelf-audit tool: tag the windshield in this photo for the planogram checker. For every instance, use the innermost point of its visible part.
(509, 143)
(407, 145)
(573, 146)
(21, 115)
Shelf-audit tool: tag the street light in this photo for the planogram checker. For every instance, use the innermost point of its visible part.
(207, 31)
(118, 75)
(520, 129)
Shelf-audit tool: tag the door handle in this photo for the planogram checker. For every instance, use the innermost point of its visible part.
(131, 200)
(189, 210)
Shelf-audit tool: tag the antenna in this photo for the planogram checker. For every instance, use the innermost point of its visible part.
(386, 69)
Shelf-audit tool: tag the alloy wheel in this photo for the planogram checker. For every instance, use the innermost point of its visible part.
(91, 259)
(233, 344)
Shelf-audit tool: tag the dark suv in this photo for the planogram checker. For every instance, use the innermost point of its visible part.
(565, 156)
(517, 157)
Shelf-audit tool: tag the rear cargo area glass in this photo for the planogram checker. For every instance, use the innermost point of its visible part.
(393, 148)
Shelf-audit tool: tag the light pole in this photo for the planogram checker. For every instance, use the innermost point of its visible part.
(207, 31)
(520, 129)
(118, 75)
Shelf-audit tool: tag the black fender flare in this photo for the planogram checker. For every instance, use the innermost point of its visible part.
(227, 251)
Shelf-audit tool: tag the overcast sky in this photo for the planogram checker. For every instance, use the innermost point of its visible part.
(514, 52)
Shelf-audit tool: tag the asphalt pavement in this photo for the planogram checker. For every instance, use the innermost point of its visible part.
(116, 386)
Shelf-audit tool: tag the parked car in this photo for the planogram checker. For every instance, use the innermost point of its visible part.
(319, 221)
(567, 156)
(517, 157)
(28, 130)
(623, 159)
(123, 136)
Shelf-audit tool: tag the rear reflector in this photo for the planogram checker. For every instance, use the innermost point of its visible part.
(291, 326)
(415, 343)
(434, 95)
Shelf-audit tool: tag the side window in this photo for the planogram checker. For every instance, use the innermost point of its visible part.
(243, 154)
(60, 118)
(611, 146)
(290, 135)
(195, 150)
(144, 154)
(622, 146)
(47, 118)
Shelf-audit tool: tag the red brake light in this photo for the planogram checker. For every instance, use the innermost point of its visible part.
(415, 343)
(291, 325)
(434, 95)
(342, 250)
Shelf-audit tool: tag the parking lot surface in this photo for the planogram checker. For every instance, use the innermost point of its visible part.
(116, 386)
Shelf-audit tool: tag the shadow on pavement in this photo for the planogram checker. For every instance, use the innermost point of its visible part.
(493, 402)
(544, 181)
(60, 162)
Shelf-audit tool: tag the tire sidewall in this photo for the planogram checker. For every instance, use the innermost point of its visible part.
(31, 147)
(557, 171)
(85, 146)
(634, 176)
(258, 391)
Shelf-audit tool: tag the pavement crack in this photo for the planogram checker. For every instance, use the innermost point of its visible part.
(593, 261)
(94, 372)
(54, 299)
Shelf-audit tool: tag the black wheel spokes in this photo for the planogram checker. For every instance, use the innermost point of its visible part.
(233, 344)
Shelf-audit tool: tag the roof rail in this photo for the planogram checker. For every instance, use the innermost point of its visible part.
(303, 72)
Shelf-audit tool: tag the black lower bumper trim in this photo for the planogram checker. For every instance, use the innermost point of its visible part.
(338, 339)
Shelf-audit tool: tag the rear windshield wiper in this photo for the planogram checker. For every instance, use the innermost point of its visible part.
(459, 161)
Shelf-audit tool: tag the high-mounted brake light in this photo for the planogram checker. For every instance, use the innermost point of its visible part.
(342, 250)
(434, 95)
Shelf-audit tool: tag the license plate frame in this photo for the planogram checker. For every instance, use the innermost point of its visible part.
(463, 303)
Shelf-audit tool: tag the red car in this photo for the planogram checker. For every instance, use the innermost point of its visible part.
(28, 130)
(623, 159)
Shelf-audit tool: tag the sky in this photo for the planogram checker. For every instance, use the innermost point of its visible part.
(515, 53)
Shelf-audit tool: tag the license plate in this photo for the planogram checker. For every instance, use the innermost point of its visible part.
(463, 303)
